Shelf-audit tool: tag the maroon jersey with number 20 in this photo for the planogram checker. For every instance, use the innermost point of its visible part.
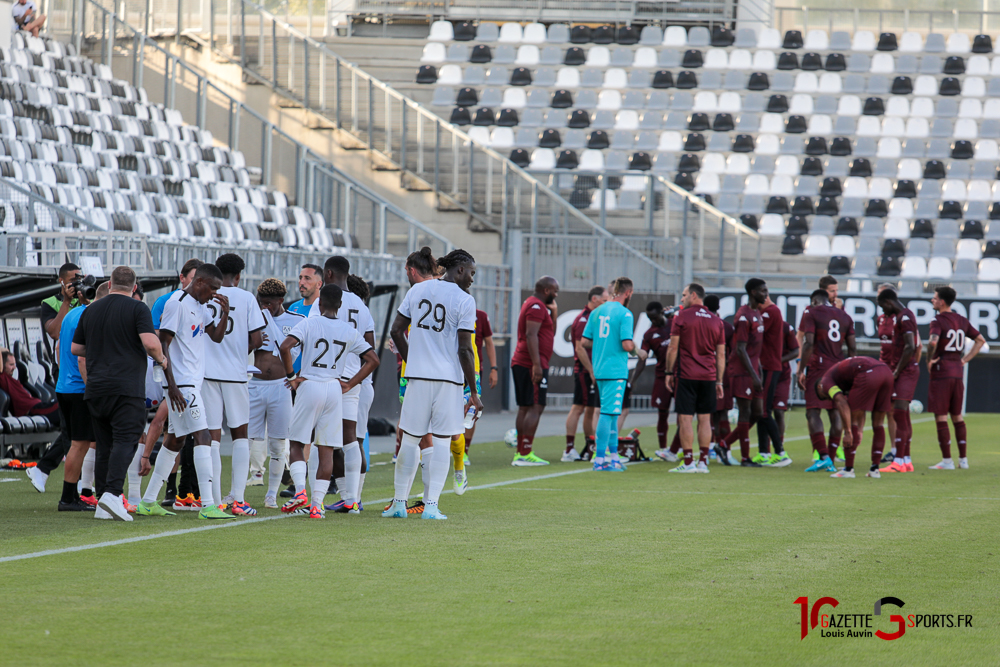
(952, 331)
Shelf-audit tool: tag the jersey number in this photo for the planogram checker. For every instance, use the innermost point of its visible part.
(439, 315)
(326, 348)
(834, 331)
(605, 329)
(956, 341)
(351, 317)
(215, 313)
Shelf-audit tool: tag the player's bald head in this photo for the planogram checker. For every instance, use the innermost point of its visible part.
(545, 283)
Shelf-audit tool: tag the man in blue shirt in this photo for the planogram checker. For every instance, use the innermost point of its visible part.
(185, 277)
(608, 335)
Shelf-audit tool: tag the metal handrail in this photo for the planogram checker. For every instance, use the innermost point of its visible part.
(57, 209)
(968, 20)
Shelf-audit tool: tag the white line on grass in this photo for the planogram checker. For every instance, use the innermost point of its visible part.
(10, 479)
(244, 522)
(751, 493)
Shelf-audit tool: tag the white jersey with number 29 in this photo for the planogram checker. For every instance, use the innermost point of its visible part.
(438, 310)
(325, 345)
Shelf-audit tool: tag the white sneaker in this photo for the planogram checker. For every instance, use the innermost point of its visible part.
(271, 503)
(37, 478)
(963, 463)
(946, 464)
(114, 506)
(701, 466)
(228, 500)
(844, 473)
(100, 513)
(874, 474)
(666, 455)
(570, 456)
(733, 461)
(685, 468)
(461, 482)
(256, 479)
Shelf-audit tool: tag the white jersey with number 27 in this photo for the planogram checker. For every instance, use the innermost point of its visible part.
(326, 343)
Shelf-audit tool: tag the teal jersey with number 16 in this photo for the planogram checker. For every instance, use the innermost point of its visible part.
(609, 325)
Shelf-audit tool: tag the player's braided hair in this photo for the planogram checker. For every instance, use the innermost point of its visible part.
(272, 287)
(358, 286)
(455, 258)
(423, 261)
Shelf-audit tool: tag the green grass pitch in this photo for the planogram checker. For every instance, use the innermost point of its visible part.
(641, 568)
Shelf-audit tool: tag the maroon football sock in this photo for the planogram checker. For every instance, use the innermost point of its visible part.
(960, 438)
(878, 446)
(819, 443)
(724, 430)
(675, 445)
(944, 439)
(662, 427)
(704, 455)
(688, 457)
(570, 442)
(524, 445)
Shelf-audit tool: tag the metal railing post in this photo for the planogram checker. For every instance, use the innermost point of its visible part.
(180, 21)
(305, 72)
(722, 243)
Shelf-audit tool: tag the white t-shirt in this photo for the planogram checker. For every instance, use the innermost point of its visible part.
(186, 319)
(227, 361)
(18, 10)
(353, 311)
(326, 343)
(437, 310)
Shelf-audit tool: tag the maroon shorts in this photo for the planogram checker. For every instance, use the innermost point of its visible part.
(742, 387)
(727, 395)
(814, 402)
(906, 384)
(661, 396)
(784, 390)
(945, 396)
(872, 391)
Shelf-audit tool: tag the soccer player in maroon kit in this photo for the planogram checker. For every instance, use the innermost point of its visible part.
(904, 363)
(771, 364)
(696, 364)
(653, 342)
(744, 373)
(946, 392)
(886, 325)
(536, 333)
(825, 330)
(585, 397)
(868, 385)
(720, 419)
(783, 392)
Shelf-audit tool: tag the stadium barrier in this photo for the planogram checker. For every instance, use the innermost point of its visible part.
(972, 21)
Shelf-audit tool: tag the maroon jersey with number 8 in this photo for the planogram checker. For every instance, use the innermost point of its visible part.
(830, 327)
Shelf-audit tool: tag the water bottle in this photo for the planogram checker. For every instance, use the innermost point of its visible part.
(470, 417)
(157, 373)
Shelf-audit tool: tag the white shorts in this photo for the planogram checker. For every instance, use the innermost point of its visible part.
(432, 406)
(351, 400)
(192, 419)
(270, 409)
(318, 406)
(229, 398)
(365, 408)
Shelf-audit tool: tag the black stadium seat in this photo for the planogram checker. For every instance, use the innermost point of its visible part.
(811, 62)
(922, 229)
(890, 266)
(838, 266)
(604, 34)
(827, 206)
(550, 139)
(575, 56)
(954, 65)
(962, 149)
(484, 117)
(934, 169)
(874, 106)
(722, 36)
(905, 189)
(481, 54)
(792, 245)
(684, 181)
(778, 205)
(695, 141)
(835, 62)
(698, 122)
(887, 42)
(427, 74)
(893, 248)
(567, 160)
(749, 220)
(723, 123)
(788, 60)
(467, 97)
(831, 187)
(464, 32)
(663, 79)
(687, 80)
(840, 146)
(561, 99)
(640, 161)
(950, 210)
(816, 146)
(598, 139)
(579, 34)
(460, 116)
(692, 59)
(520, 77)
(847, 227)
(628, 35)
(798, 225)
(777, 104)
(973, 229)
(507, 118)
(520, 157)
(793, 40)
(902, 85)
(758, 81)
(811, 166)
(982, 44)
(803, 205)
(579, 119)
(861, 167)
(688, 163)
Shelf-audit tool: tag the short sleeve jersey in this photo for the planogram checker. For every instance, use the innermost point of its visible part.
(843, 373)
(437, 310)
(699, 333)
(483, 331)
(70, 381)
(576, 333)
(774, 335)
(886, 325)
(326, 345)
(227, 361)
(277, 329)
(609, 325)
(652, 340)
(186, 319)
(355, 313)
(534, 310)
(748, 327)
(952, 331)
(791, 343)
(906, 322)
(830, 327)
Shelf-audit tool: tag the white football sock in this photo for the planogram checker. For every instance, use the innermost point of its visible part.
(298, 473)
(216, 471)
(87, 471)
(352, 473)
(341, 483)
(134, 481)
(319, 492)
(164, 464)
(241, 468)
(361, 485)
(203, 469)
(258, 455)
(407, 462)
(425, 468)
(275, 465)
(440, 462)
(313, 466)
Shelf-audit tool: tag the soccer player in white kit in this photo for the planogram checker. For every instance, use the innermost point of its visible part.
(183, 327)
(270, 399)
(320, 389)
(225, 389)
(439, 360)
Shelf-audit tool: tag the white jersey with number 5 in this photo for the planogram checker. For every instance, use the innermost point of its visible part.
(227, 361)
(438, 310)
(326, 343)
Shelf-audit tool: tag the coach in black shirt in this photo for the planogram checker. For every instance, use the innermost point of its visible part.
(115, 334)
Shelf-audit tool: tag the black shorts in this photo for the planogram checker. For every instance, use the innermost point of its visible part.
(76, 416)
(627, 397)
(694, 397)
(527, 393)
(585, 390)
(770, 382)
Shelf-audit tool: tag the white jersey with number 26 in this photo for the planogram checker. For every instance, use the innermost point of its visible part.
(438, 310)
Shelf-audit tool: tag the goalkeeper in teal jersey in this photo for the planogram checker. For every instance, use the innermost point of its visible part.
(608, 335)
